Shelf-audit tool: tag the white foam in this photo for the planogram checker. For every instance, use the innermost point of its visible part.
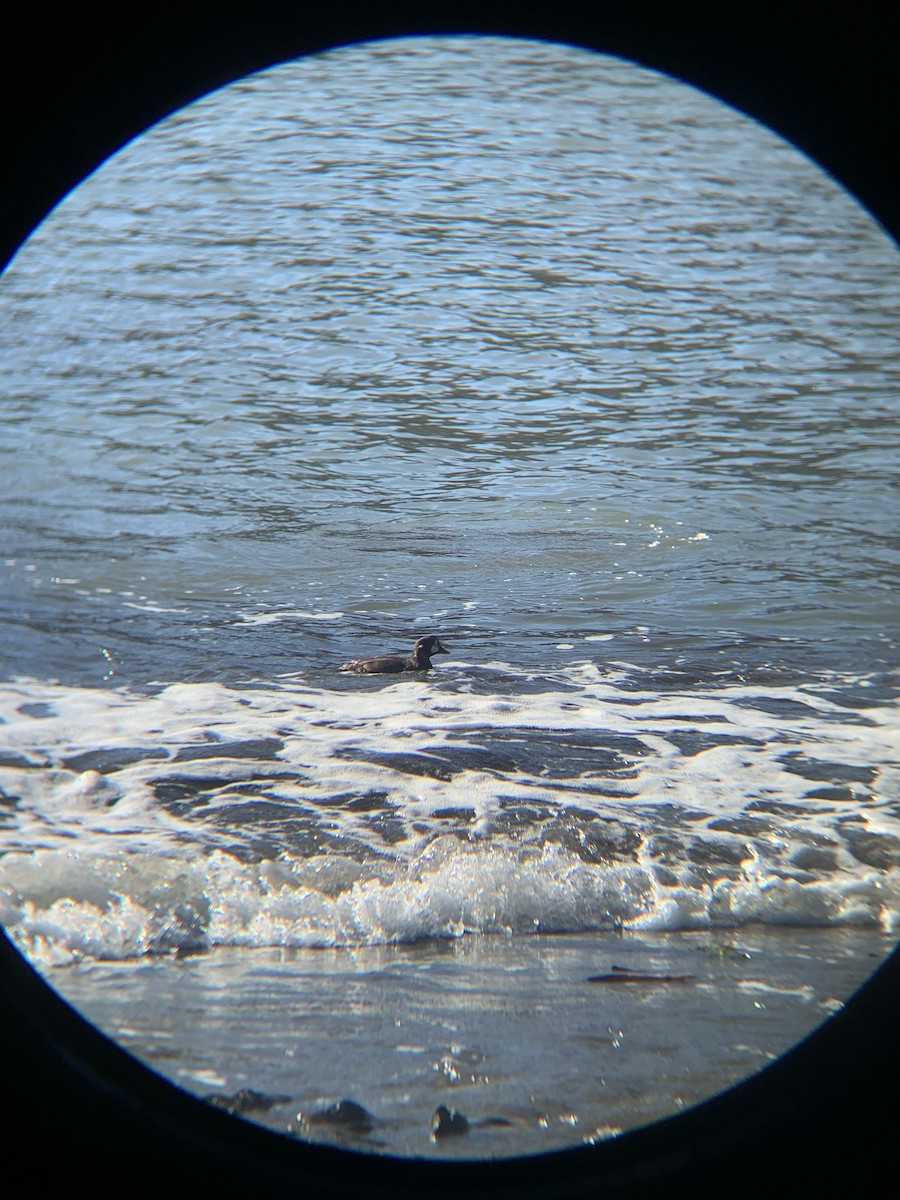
(152, 607)
(95, 864)
(119, 908)
(273, 618)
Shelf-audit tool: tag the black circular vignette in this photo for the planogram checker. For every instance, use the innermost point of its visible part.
(819, 1121)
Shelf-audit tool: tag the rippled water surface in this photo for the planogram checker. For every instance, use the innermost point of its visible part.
(518, 344)
(536, 337)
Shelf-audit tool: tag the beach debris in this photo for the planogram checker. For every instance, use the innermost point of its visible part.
(725, 950)
(447, 1123)
(344, 1114)
(629, 975)
(244, 1101)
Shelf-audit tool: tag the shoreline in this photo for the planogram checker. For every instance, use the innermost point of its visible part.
(540, 1043)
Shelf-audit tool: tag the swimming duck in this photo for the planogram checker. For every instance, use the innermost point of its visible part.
(389, 664)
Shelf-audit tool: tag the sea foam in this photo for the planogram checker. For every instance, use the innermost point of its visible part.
(200, 815)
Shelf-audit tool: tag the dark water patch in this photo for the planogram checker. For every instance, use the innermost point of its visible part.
(258, 749)
(182, 793)
(709, 875)
(389, 829)
(697, 719)
(691, 742)
(636, 701)
(781, 808)
(705, 669)
(261, 810)
(589, 786)
(707, 852)
(876, 695)
(406, 764)
(18, 762)
(491, 683)
(422, 546)
(296, 839)
(271, 829)
(880, 850)
(698, 662)
(668, 816)
(655, 681)
(814, 858)
(777, 706)
(821, 771)
(595, 840)
(840, 795)
(518, 816)
(601, 841)
(108, 760)
(179, 793)
(666, 848)
(844, 716)
(812, 838)
(263, 787)
(847, 716)
(344, 725)
(39, 710)
(665, 877)
(743, 826)
(270, 826)
(537, 752)
(176, 789)
(473, 758)
(371, 801)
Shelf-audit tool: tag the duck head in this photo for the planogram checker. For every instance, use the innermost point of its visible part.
(425, 647)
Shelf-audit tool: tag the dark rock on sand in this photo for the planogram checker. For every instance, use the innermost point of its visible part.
(345, 1114)
(626, 975)
(445, 1123)
(245, 1101)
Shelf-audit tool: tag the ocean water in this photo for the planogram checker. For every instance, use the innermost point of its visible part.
(521, 345)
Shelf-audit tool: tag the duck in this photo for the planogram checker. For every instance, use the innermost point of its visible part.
(391, 664)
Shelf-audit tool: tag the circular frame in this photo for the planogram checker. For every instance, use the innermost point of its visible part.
(818, 1120)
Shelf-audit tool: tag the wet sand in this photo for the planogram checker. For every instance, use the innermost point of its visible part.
(538, 1042)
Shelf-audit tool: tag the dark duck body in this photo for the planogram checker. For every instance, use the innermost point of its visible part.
(392, 664)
